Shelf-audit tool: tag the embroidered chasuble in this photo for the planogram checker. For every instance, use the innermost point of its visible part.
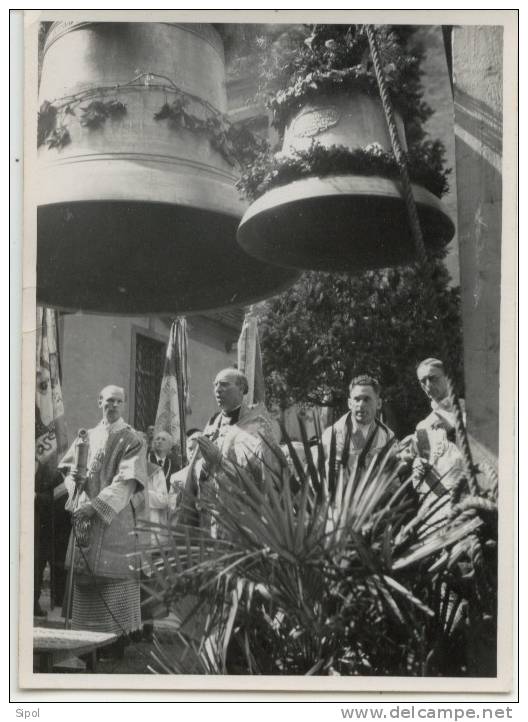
(247, 441)
(106, 579)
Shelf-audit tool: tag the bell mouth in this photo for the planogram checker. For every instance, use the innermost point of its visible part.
(340, 223)
(146, 259)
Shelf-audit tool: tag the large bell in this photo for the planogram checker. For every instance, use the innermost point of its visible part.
(340, 222)
(138, 216)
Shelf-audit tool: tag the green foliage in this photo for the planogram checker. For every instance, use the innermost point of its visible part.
(46, 122)
(317, 573)
(425, 166)
(329, 327)
(52, 128)
(304, 63)
(235, 143)
(95, 114)
(307, 61)
(58, 137)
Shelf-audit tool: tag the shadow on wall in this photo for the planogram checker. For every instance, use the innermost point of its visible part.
(478, 135)
(480, 120)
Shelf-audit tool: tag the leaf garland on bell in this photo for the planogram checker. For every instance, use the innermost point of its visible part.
(174, 112)
(425, 165)
(302, 64)
(308, 61)
(235, 143)
(59, 137)
(95, 114)
(46, 121)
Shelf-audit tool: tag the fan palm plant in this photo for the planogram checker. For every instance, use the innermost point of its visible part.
(312, 572)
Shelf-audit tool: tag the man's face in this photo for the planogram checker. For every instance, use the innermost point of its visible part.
(364, 403)
(162, 444)
(433, 382)
(111, 402)
(228, 393)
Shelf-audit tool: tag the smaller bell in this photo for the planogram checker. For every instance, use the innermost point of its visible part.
(342, 222)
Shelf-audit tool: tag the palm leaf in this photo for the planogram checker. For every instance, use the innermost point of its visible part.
(337, 573)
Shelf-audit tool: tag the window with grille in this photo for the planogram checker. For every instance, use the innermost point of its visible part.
(150, 357)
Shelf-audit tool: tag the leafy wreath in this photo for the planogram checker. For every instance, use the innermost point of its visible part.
(56, 134)
(308, 61)
(234, 142)
(425, 165)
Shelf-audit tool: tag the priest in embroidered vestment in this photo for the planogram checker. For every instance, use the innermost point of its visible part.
(239, 435)
(359, 434)
(437, 461)
(106, 590)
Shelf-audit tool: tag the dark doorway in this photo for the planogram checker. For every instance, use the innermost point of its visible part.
(150, 356)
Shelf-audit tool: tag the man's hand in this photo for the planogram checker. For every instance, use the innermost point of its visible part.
(420, 468)
(211, 453)
(77, 479)
(138, 500)
(405, 450)
(86, 511)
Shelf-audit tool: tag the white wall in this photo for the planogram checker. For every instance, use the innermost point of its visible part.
(208, 354)
(477, 66)
(97, 350)
(438, 94)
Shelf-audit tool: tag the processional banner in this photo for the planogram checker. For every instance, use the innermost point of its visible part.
(250, 359)
(51, 438)
(174, 392)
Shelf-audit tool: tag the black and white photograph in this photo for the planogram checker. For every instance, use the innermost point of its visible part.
(271, 285)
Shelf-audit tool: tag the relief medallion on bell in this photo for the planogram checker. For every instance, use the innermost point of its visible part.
(312, 122)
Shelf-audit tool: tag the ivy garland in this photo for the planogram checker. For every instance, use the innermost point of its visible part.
(56, 134)
(425, 164)
(312, 60)
(46, 123)
(59, 137)
(306, 62)
(94, 115)
(234, 142)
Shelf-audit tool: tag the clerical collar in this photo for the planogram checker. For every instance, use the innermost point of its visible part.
(232, 415)
(114, 425)
(443, 405)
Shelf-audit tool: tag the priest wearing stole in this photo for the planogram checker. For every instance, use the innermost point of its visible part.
(239, 435)
(359, 434)
(106, 590)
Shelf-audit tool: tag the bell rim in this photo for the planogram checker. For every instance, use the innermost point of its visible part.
(302, 225)
(172, 313)
(262, 279)
(341, 185)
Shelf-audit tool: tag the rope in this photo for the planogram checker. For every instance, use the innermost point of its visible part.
(397, 148)
(462, 440)
(417, 234)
